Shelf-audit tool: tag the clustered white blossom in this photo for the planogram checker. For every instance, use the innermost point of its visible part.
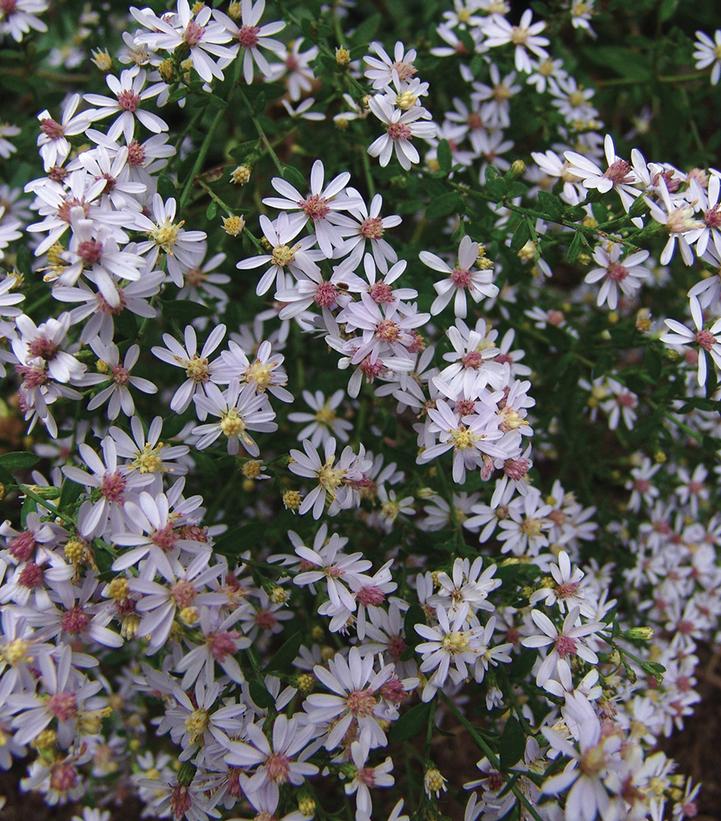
(140, 569)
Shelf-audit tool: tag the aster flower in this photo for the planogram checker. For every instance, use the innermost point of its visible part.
(318, 206)
(354, 703)
(297, 258)
(323, 423)
(197, 367)
(276, 762)
(567, 642)
(204, 39)
(401, 127)
(252, 37)
(130, 92)
(708, 341)
(117, 394)
(20, 17)
(383, 70)
(364, 229)
(525, 37)
(238, 410)
(366, 778)
(707, 54)
(617, 272)
(461, 278)
(53, 138)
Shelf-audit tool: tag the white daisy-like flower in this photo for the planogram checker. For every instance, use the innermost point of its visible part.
(461, 279)
(617, 272)
(401, 128)
(708, 53)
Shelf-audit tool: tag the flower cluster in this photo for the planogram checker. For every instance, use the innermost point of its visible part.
(321, 444)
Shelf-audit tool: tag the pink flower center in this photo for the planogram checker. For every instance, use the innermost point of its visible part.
(32, 377)
(120, 375)
(22, 546)
(291, 62)
(465, 407)
(461, 277)
(266, 619)
(90, 251)
(43, 347)
(566, 590)
(642, 485)
(180, 801)
(371, 228)
(51, 128)
(31, 576)
(712, 217)
(113, 487)
(63, 777)
(472, 360)
(626, 400)
(371, 595)
(565, 646)
(67, 206)
(371, 369)
(516, 469)
(325, 295)
(381, 293)
(705, 340)
(361, 703)
(63, 706)
(248, 36)
(184, 593)
(128, 100)
(387, 330)
(316, 207)
(164, 538)
(74, 621)
(368, 776)
(193, 33)
(475, 121)
(278, 767)
(399, 131)
(618, 171)
(404, 70)
(136, 153)
(222, 644)
(396, 647)
(617, 272)
(555, 318)
(393, 691)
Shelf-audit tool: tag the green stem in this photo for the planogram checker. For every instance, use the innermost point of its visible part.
(200, 158)
(261, 133)
(483, 745)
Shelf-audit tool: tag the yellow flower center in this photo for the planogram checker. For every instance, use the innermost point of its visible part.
(231, 423)
(282, 255)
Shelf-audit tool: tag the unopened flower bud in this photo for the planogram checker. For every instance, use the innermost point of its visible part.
(102, 59)
(292, 499)
(233, 225)
(518, 168)
(639, 633)
(167, 70)
(240, 175)
(434, 782)
(342, 56)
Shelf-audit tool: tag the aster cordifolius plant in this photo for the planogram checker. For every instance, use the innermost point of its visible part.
(360, 389)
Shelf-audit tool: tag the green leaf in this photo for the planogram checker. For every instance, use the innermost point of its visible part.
(667, 10)
(445, 204)
(551, 205)
(511, 744)
(211, 210)
(414, 616)
(622, 61)
(286, 653)
(578, 245)
(295, 178)
(445, 160)
(69, 494)
(260, 695)
(521, 235)
(18, 460)
(411, 723)
(367, 29)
